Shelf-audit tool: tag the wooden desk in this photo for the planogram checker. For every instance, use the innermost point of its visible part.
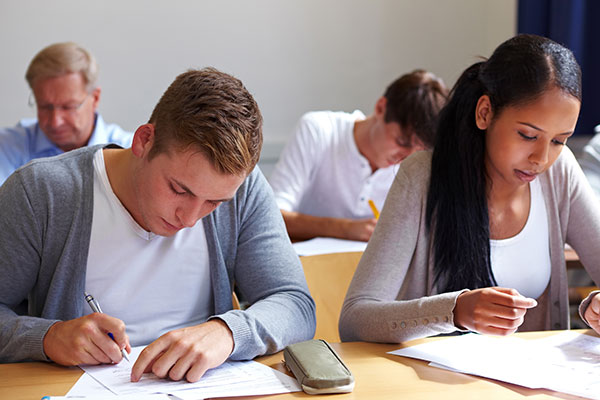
(378, 376)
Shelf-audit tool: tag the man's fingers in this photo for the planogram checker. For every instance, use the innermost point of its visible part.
(85, 340)
(146, 360)
(95, 356)
(98, 330)
(183, 365)
(197, 371)
(187, 352)
(107, 346)
(116, 328)
(167, 360)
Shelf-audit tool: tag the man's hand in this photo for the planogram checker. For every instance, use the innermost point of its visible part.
(494, 311)
(85, 340)
(360, 229)
(592, 313)
(186, 352)
(303, 226)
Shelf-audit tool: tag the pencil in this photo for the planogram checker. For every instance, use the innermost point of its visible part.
(374, 209)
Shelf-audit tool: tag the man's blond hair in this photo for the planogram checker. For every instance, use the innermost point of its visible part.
(213, 112)
(61, 59)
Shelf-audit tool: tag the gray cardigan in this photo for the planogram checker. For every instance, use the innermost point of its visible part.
(392, 297)
(45, 225)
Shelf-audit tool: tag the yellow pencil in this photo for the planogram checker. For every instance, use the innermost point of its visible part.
(374, 209)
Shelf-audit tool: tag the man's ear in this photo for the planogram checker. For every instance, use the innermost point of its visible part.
(96, 97)
(143, 139)
(483, 112)
(380, 107)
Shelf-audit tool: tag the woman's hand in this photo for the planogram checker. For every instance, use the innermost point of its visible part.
(493, 310)
(592, 313)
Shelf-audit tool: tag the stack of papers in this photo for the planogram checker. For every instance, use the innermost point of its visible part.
(233, 378)
(568, 362)
(328, 245)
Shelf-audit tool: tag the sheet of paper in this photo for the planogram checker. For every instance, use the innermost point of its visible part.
(271, 382)
(87, 386)
(567, 362)
(481, 355)
(145, 396)
(327, 245)
(232, 378)
(572, 363)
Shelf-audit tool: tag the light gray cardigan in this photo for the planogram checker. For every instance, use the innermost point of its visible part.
(392, 297)
(45, 224)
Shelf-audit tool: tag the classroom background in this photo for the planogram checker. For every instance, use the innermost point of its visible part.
(294, 55)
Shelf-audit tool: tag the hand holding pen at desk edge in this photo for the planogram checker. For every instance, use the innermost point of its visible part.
(304, 226)
(85, 340)
(360, 229)
(492, 310)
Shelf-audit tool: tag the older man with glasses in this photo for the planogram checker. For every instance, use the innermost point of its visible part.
(64, 91)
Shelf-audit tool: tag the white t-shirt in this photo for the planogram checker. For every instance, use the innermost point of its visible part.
(522, 262)
(321, 172)
(154, 284)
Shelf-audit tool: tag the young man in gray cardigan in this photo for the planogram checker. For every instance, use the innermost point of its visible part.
(159, 233)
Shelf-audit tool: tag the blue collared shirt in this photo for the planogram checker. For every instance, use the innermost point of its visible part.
(26, 141)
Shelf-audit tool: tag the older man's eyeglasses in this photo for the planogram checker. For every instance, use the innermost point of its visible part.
(69, 108)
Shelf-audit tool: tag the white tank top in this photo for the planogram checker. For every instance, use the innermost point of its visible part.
(522, 262)
(152, 283)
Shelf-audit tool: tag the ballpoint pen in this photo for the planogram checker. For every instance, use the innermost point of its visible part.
(374, 208)
(95, 306)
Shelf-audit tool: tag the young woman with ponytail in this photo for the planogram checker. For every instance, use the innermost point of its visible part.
(472, 235)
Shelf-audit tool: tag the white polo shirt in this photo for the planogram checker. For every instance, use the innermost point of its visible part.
(321, 172)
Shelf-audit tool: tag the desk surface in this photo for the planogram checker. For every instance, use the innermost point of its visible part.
(378, 376)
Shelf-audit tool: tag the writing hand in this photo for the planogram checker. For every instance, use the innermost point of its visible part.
(360, 229)
(494, 310)
(592, 313)
(85, 340)
(186, 352)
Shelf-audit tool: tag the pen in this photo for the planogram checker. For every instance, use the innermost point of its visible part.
(95, 306)
(374, 209)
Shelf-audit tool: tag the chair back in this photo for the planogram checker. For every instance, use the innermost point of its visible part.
(328, 277)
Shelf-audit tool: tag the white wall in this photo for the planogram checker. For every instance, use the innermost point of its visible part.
(293, 55)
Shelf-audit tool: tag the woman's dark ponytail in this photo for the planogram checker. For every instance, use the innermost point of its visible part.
(457, 207)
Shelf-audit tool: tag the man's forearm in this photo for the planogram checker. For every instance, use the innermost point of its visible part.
(303, 226)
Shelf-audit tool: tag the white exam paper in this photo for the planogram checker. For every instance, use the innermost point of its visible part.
(86, 386)
(322, 245)
(566, 362)
(233, 378)
(144, 396)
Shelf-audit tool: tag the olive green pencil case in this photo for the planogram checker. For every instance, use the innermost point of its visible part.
(318, 368)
